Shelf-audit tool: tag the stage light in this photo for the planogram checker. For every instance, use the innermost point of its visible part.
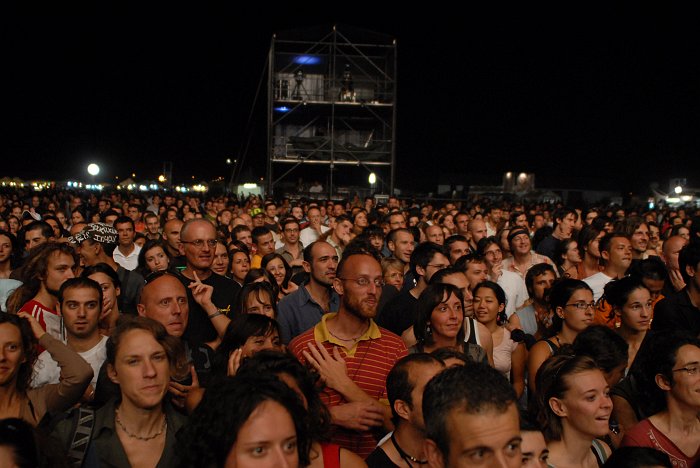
(93, 169)
(307, 60)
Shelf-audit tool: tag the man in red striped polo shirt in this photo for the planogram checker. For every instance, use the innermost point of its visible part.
(355, 355)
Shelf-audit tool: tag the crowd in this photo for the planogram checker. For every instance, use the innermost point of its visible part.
(217, 331)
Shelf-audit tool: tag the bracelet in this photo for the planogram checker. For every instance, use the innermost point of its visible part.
(219, 312)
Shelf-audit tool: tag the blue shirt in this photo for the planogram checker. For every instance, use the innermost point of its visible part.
(297, 312)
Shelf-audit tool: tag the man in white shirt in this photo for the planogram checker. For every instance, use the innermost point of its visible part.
(311, 233)
(616, 253)
(513, 285)
(80, 304)
(127, 252)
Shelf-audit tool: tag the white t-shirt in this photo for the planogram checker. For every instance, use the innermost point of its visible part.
(46, 370)
(516, 292)
(308, 235)
(131, 261)
(597, 283)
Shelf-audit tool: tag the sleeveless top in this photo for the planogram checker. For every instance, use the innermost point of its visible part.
(598, 449)
(471, 331)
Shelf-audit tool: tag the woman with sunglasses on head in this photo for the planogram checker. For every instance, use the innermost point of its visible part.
(571, 302)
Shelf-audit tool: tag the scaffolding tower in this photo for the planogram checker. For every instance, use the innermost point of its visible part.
(332, 104)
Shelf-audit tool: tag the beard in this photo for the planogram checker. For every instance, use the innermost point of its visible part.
(360, 308)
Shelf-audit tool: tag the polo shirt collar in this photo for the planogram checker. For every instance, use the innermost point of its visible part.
(321, 334)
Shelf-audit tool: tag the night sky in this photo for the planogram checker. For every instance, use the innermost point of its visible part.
(606, 98)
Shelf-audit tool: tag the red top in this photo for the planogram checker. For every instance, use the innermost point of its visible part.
(645, 434)
(368, 364)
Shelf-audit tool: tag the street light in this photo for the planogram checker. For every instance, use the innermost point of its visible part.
(93, 169)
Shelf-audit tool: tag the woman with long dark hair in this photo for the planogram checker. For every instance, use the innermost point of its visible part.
(571, 302)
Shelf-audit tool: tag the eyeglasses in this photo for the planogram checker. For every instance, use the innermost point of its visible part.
(582, 305)
(364, 282)
(692, 370)
(199, 243)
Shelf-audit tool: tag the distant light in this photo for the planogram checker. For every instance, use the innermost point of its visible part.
(143, 188)
(161, 178)
(372, 178)
(250, 186)
(509, 175)
(282, 109)
(673, 200)
(228, 160)
(522, 177)
(93, 169)
(307, 60)
(133, 174)
(678, 189)
(686, 197)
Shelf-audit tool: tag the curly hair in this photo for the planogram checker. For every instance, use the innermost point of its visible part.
(34, 270)
(278, 363)
(213, 427)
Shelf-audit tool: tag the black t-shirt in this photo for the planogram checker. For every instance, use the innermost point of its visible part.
(676, 312)
(548, 246)
(379, 459)
(225, 295)
(399, 313)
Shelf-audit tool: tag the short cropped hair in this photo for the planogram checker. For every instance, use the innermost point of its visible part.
(473, 388)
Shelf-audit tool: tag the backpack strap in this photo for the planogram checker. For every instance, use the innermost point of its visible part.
(83, 424)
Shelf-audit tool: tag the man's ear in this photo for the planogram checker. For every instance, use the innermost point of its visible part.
(402, 409)
(433, 454)
(141, 308)
(338, 286)
(690, 270)
(605, 255)
(390, 245)
(306, 265)
(420, 270)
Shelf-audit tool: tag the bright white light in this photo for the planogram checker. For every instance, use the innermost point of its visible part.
(678, 189)
(372, 178)
(93, 169)
(143, 188)
(228, 160)
(687, 197)
(250, 186)
(522, 177)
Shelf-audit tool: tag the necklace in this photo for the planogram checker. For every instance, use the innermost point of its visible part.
(135, 436)
(354, 340)
(406, 457)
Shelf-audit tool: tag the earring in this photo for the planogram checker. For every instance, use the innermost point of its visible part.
(428, 330)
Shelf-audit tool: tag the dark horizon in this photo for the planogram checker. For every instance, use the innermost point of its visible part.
(612, 99)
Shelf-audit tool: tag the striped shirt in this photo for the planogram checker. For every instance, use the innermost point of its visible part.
(368, 363)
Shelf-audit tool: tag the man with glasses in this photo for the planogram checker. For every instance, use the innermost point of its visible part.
(291, 249)
(399, 313)
(357, 397)
(198, 244)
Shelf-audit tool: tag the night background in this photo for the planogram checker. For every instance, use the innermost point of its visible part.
(606, 97)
